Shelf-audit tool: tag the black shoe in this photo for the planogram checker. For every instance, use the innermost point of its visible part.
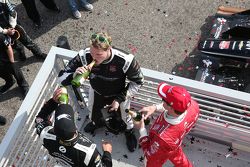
(38, 24)
(131, 140)
(25, 90)
(90, 128)
(41, 56)
(56, 9)
(6, 87)
(2, 120)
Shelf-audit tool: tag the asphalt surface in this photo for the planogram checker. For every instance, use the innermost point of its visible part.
(161, 34)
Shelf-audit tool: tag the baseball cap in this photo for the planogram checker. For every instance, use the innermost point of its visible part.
(64, 126)
(175, 96)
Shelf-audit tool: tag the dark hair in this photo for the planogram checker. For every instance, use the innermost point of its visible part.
(178, 112)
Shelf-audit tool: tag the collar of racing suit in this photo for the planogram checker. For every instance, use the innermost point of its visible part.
(174, 120)
(70, 142)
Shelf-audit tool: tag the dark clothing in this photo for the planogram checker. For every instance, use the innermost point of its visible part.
(99, 103)
(7, 69)
(32, 12)
(108, 81)
(4, 43)
(108, 78)
(78, 152)
(27, 42)
(6, 10)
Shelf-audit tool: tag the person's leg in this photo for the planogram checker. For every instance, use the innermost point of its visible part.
(179, 159)
(86, 5)
(22, 83)
(6, 75)
(31, 10)
(19, 48)
(74, 8)
(95, 104)
(131, 140)
(28, 43)
(50, 4)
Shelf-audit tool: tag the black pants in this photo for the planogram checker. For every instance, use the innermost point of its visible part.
(8, 69)
(99, 102)
(27, 42)
(31, 10)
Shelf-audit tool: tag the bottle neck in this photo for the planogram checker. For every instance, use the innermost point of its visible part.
(132, 113)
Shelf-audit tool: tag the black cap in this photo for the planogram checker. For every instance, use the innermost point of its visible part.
(64, 127)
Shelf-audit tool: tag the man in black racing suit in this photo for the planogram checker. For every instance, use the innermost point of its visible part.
(108, 81)
(64, 142)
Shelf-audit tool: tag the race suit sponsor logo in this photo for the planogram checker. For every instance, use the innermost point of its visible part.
(154, 147)
(112, 68)
(240, 45)
(211, 44)
(224, 44)
(219, 29)
(204, 44)
(233, 45)
(62, 159)
(62, 149)
(248, 45)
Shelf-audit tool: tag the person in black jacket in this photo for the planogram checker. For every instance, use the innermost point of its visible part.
(64, 142)
(108, 82)
(8, 67)
(32, 12)
(8, 24)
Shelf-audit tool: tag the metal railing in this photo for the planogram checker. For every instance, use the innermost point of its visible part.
(224, 112)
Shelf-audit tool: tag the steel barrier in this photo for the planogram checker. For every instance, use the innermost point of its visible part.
(225, 113)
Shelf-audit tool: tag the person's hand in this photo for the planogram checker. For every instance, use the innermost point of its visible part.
(81, 70)
(114, 106)
(147, 111)
(141, 123)
(57, 94)
(106, 146)
(12, 60)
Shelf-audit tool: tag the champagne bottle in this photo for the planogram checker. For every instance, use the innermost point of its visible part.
(63, 98)
(80, 78)
(137, 116)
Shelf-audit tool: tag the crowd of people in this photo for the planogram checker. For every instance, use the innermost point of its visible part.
(108, 89)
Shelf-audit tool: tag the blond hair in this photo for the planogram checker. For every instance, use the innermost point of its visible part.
(101, 45)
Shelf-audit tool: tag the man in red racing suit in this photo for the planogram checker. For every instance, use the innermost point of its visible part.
(179, 114)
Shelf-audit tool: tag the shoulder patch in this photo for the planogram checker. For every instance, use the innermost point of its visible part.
(128, 60)
(82, 54)
(126, 56)
(88, 150)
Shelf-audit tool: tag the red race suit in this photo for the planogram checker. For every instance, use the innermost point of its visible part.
(166, 136)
